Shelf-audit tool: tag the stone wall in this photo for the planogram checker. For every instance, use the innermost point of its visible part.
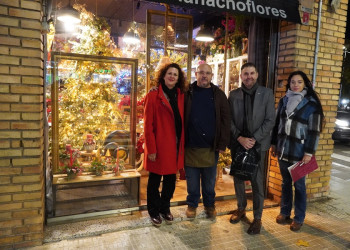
(296, 52)
(21, 124)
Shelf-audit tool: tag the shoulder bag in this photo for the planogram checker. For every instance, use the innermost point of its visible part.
(245, 162)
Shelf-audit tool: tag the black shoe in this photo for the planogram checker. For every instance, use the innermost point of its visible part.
(156, 221)
(168, 217)
(254, 227)
(237, 216)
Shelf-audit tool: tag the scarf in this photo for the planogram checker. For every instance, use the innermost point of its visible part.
(248, 99)
(172, 95)
(294, 98)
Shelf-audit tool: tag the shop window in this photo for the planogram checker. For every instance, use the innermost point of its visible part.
(93, 127)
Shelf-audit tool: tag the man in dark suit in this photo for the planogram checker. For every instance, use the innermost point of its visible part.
(258, 104)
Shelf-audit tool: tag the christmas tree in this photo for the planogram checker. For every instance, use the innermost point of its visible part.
(89, 96)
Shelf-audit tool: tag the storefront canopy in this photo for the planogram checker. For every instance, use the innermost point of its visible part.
(278, 9)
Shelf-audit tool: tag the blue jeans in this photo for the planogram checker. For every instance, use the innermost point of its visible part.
(195, 176)
(287, 194)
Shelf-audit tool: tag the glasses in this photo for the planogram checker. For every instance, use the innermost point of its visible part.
(204, 73)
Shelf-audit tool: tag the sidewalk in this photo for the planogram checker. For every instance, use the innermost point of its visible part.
(327, 226)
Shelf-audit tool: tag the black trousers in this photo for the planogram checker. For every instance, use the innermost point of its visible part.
(159, 202)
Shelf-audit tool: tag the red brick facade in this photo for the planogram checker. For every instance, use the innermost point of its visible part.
(21, 124)
(296, 52)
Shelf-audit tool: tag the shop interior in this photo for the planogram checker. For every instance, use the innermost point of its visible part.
(102, 57)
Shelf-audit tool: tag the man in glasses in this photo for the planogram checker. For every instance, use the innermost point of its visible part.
(207, 132)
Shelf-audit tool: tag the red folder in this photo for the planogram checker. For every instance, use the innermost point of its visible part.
(300, 169)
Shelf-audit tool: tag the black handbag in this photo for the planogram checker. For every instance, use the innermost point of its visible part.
(245, 162)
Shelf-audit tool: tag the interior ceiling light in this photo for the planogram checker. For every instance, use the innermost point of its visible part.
(131, 37)
(68, 15)
(204, 35)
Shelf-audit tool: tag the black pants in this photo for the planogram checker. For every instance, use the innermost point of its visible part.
(258, 190)
(156, 202)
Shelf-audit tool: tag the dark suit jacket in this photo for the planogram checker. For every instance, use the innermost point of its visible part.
(263, 116)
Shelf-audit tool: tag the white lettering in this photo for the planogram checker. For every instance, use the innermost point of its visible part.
(211, 3)
(241, 6)
(188, 1)
(275, 12)
(249, 3)
(267, 10)
(260, 9)
(220, 5)
(253, 6)
(283, 14)
(228, 2)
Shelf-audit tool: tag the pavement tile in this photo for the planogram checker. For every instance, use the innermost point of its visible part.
(327, 226)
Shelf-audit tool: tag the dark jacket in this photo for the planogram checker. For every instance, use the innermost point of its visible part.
(304, 133)
(222, 112)
(263, 116)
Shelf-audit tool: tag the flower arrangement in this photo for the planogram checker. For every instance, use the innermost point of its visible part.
(236, 28)
(97, 167)
(69, 162)
(72, 171)
(69, 156)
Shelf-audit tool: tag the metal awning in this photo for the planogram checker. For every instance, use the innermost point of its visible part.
(287, 10)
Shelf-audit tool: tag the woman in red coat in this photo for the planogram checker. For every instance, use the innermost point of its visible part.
(164, 140)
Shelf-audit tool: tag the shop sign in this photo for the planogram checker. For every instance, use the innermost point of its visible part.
(307, 7)
(287, 10)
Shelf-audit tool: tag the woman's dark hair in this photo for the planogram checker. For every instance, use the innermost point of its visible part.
(181, 83)
(310, 91)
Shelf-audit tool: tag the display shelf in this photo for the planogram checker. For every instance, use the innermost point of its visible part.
(130, 179)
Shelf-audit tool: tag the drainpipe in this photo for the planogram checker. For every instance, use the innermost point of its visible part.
(317, 42)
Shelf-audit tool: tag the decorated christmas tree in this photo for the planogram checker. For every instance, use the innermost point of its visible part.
(88, 98)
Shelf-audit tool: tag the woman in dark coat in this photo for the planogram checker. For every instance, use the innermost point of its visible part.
(295, 138)
(164, 140)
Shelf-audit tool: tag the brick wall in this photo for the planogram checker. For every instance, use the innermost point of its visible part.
(21, 124)
(297, 46)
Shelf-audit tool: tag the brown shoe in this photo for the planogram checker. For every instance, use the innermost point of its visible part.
(156, 221)
(211, 212)
(237, 216)
(191, 212)
(282, 219)
(295, 226)
(254, 227)
(168, 217)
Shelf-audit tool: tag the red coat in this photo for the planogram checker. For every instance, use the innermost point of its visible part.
(160, 134)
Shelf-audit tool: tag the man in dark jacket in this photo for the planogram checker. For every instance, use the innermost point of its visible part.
(256, 104)
(207, 132)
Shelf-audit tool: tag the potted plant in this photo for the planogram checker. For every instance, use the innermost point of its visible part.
(97, 167)
(72, 171)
